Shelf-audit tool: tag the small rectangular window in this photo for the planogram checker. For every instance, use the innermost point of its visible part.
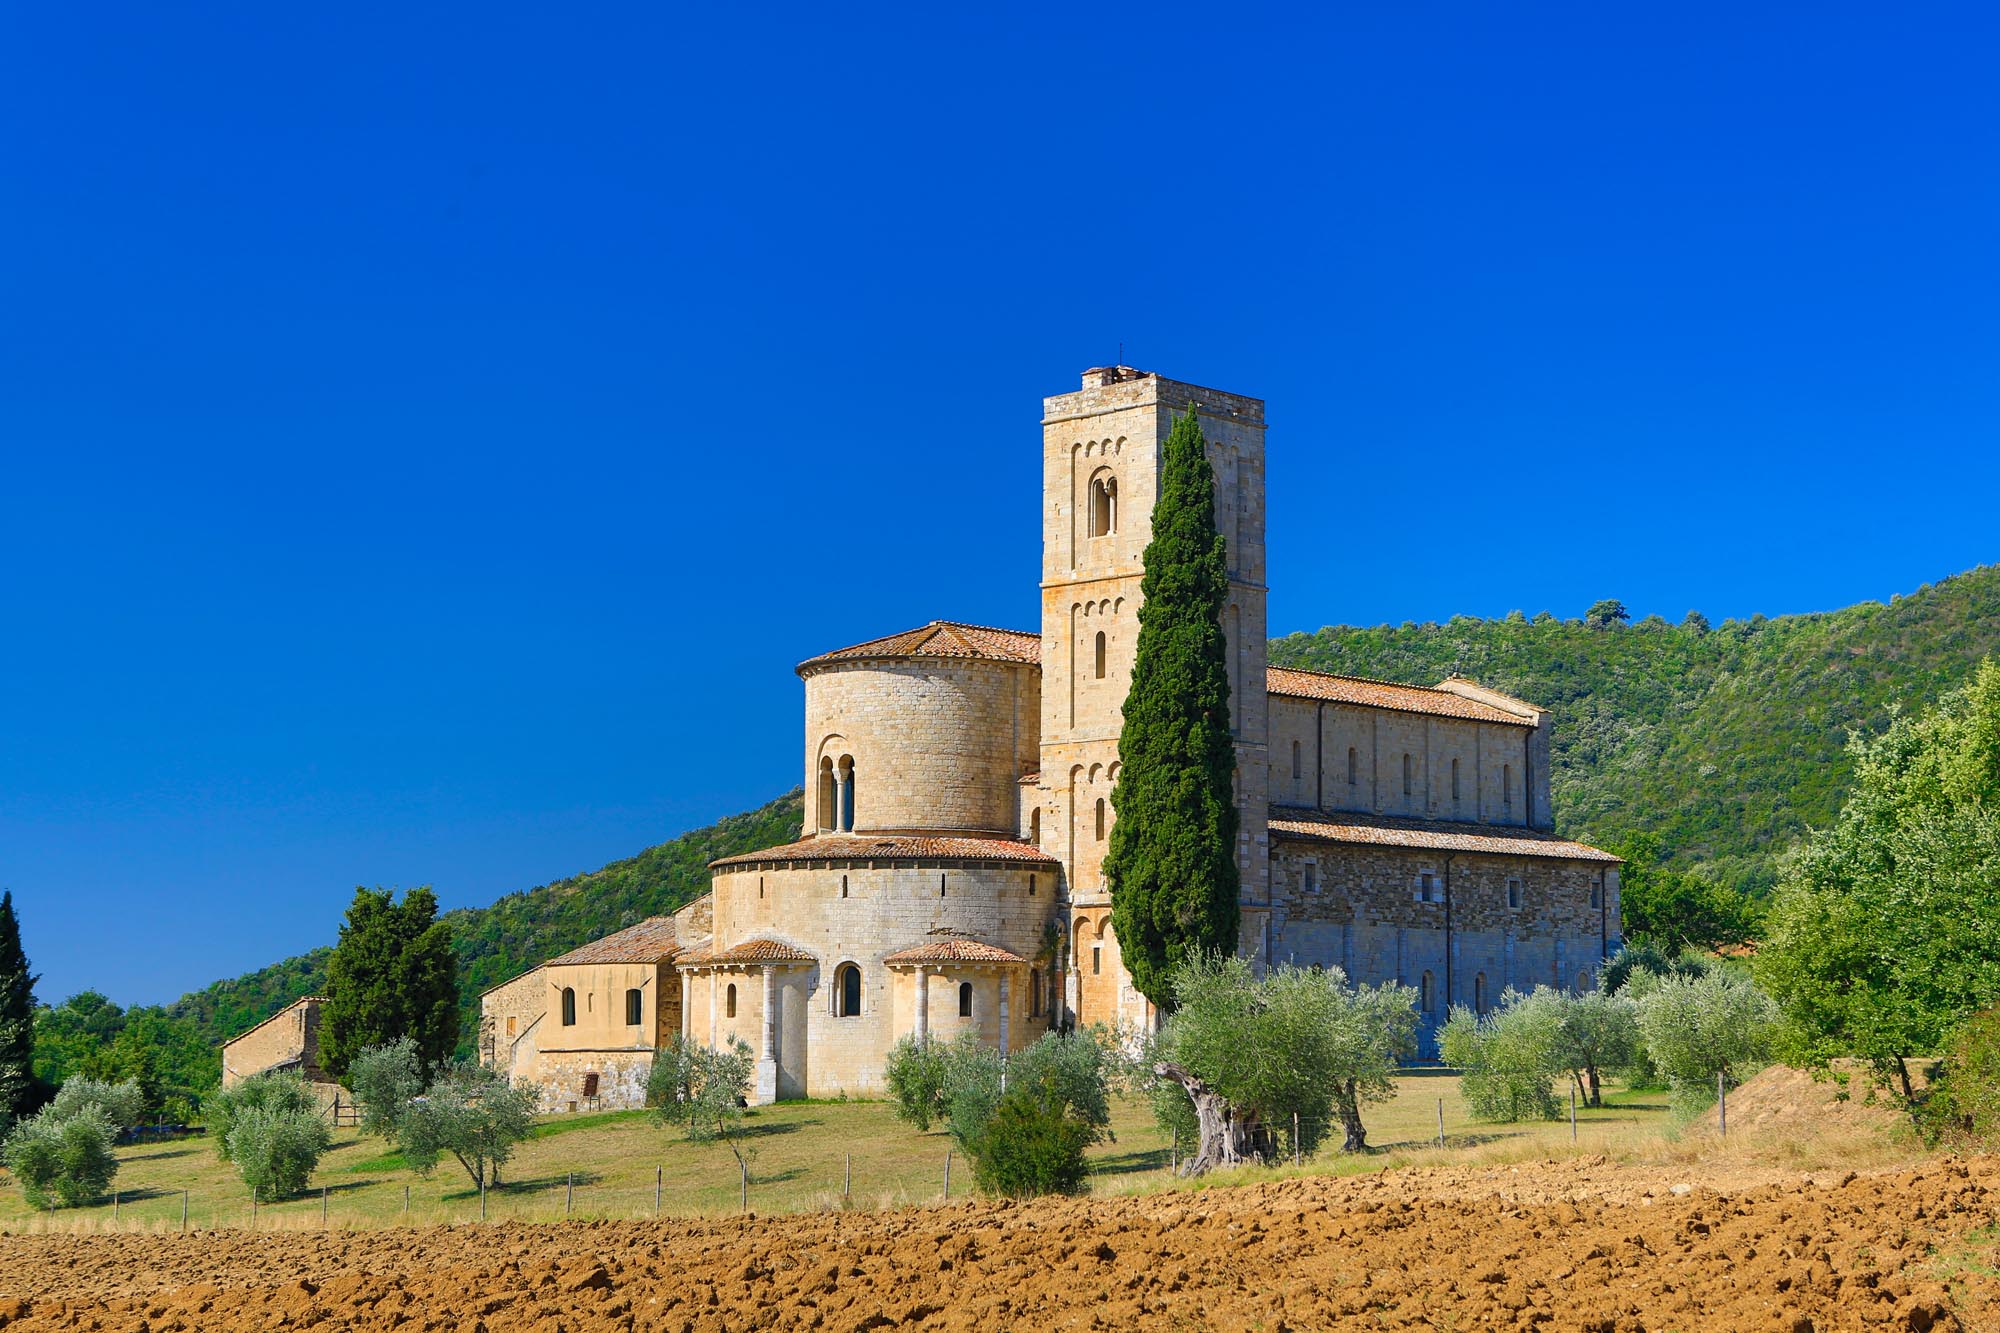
(1096, 959)
(1312, 878)
(1514, 894)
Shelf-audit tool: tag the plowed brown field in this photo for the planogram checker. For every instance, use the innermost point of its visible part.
(1574, 1245)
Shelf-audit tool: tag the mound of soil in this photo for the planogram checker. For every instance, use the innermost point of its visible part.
(1577, 1245)
(1791, 1101)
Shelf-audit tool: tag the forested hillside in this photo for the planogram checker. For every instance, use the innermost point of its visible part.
(1726, 741)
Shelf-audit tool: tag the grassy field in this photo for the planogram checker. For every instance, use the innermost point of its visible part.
(605, 1166)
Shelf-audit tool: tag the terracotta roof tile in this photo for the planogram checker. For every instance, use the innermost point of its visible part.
(943, 638)
(651, 941)
(750, 951)
(1428, 835)
(1383, 694)
(891, 847)
(955, 951)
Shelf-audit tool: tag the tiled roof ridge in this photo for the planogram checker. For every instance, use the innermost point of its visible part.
(276, 1014)
(1377, 680)
(600, 949)
(914, 641)
(964, 846)
(1310, 821)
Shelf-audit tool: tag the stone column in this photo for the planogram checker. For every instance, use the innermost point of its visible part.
(923, 1006)
(1072, 989)
(767, 1054)
(1006, 984)
(714, 1021)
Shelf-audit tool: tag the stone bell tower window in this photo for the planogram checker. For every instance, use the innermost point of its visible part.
(1103, 506)
(1099, 656)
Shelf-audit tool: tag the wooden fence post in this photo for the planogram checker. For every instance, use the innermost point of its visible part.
(569, 1193)
(322, 1205)
(744, 1167)
(1721, 1106)
(659, 1175)
(1572, 1115)
(947, 1173)
(1440, 1122)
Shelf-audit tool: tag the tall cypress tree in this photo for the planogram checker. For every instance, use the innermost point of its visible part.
(17, 1016)
(392, 974)
(1171, 865)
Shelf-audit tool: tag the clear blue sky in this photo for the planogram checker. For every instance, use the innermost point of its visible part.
(430, 441)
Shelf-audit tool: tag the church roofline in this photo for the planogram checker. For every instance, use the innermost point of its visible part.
(941, 638)
(272, 1018)
(1431, 835)
(1294, 683)
(893, 847)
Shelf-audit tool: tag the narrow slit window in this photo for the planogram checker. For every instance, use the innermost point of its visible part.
(1409, 775)
(729, 1001)
(1297, 771)
(1507, 785)
(1454, 781)
(1425, 999)
(1098, 655)
(1514, 894)
(1353, 766)
(1031, 886)
(1096, 959)
(1100, 819)
(965, 999)
(635, 1008)
(568, 1007)
(843, 886)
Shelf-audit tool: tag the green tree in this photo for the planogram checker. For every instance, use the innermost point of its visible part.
(1071, 1071)
(1599, 1031)
(1033, 1144)
(475, 1114)
(700, 1088)
(385, 1080)
(392, 974)
(17, 1017)
(1696, 1028)
(917, 1076)
(267, 1094)
(1606, 614)
(66, 1159)
(1242, 1055)
(1171, 865)
(1673, 908)
(276, 1148)
(123, 1105)
(1881, 940)
(1509, 1058)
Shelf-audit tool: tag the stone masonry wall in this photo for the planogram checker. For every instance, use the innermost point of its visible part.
(936, 744)
(290, 1034)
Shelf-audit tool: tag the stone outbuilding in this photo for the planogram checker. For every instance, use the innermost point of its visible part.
(286, 1042)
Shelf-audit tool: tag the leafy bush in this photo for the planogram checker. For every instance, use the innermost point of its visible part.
(1962, 1104)
(473, 1113)
(1598, 1032)
(1072, 1071)
(122, 1104)
(916, 1075)
(263, 1092)
(276, 1148)
(1032, 1145)
(1510, 1057)
(62, 1159)
(385, 1080)
(700, 1089)
(1696, 1028)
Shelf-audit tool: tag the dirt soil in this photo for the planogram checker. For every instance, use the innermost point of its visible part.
(1584, 1244)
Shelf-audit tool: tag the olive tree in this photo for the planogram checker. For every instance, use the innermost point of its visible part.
(1598, 1032)
(123, 1104)
(385, 1080)
(1509, 1058)
(472, 1113)
(700, 1088)
(61, 1159)
(276, 1148)
(1699, 1028)
(271, 1092)
(1246, 1054)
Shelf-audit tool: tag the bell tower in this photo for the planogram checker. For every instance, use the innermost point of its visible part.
(1100, 479)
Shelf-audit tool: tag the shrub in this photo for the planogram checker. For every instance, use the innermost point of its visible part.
(276, 1148)
(1697, 1028)
(62, 1159)
(700, 1089)
(263, 1092)
(385, 1080)
(916, 1077)
(1072, 1071)
(1510, 1057)
(123, 1104)
(1963, 1100)
(473, 1113)
(1032, 1145)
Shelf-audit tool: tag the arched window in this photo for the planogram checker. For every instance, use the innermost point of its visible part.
(847, 793)
(1103, 506)
(965, 999)
(1031, 886)
(729, 1001)
(568, 1007)
(847, 991)
(635, 1009)
(1454, 781)
(1353, 766)
(829, 797)
(843, 886)
(1296, 772)
(1426, 1000)
(1479, 993)
(1584, 981)
(1034, 992)
(1100, 819)
(1035, 826)
(1099, 655)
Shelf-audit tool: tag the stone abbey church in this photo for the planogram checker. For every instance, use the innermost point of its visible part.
(957, 811)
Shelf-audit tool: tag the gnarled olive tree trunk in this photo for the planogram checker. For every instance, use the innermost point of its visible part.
(1227, 1138)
